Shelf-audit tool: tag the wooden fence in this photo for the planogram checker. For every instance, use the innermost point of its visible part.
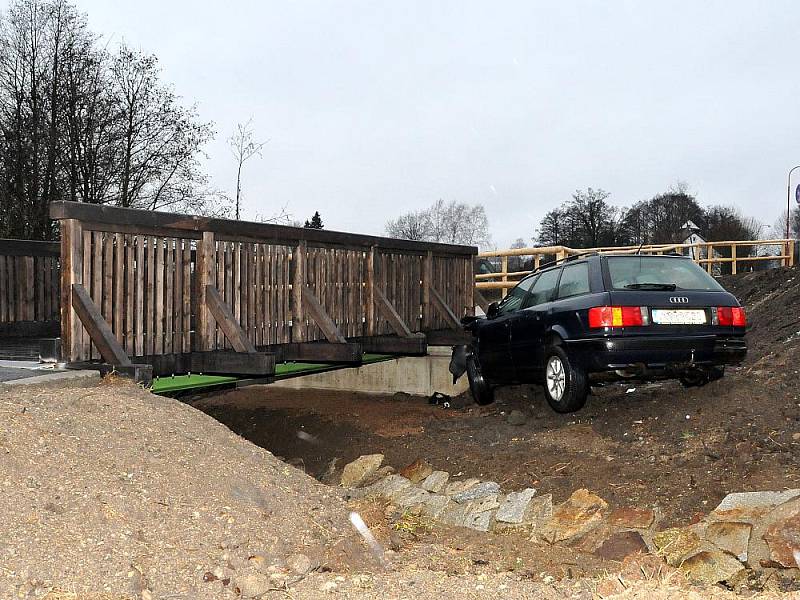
(707, 254)
(168, 284)
(29, 287)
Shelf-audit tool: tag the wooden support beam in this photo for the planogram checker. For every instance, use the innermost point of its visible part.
(389, 313)
(204, 277)
(233, 363)
(227, 322)
(480, 300)
(99, 331)
(350, 353)
(427, 283)
(447, 337)
(445, 310)
(369, 308)
(71, 273)
(415, 345)
(320, 317)
(298, 284)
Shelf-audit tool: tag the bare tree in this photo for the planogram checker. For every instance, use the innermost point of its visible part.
(244, 147)
(449, 222)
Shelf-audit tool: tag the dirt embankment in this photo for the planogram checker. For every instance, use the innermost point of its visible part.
(109, 488)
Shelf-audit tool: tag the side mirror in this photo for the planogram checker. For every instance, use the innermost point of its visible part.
(493, 310)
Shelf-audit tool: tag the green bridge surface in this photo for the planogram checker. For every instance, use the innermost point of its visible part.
(180, 383)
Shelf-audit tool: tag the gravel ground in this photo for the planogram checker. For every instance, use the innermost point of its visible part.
(109, 489)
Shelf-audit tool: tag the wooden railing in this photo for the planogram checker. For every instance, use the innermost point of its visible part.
(707, 254)
(169, 284)
(29, 287)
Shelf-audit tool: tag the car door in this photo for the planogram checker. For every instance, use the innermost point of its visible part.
(494, 335)
(530, 327)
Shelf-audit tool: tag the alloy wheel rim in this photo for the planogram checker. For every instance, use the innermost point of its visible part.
(556, 378)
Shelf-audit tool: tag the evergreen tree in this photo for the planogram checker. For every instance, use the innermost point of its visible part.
(315, 222)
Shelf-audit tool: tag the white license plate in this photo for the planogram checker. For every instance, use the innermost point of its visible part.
(667, 316)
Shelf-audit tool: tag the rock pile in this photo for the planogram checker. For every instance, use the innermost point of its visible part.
(747, 531)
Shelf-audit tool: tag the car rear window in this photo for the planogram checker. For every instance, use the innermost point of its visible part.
(629, 272)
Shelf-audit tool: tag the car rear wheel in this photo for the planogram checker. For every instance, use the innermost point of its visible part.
(565, 385)
(481, 391)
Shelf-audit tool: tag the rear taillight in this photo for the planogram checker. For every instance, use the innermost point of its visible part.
(730, 316)
(618, 316)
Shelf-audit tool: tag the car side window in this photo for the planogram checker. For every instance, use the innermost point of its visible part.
(516, 296)
(574, 281)
(543, 289)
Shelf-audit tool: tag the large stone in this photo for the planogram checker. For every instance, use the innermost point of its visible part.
(582, 512)
(676, 544)
(733, 538)
(513, 508)
(749, 507)
(388, 486)
(436, 481)
(456, 487)
(417, 471)
(631, 518)
(621, 545)
(783, 539)
(711, 566)
(539, 512)
(356, 472)
(410, 497)
(487, 488)
(435, 505)
(775, 536)
(475, 514)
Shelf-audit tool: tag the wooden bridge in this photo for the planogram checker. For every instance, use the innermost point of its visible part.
(192, 294)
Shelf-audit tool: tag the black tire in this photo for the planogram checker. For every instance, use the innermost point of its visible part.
(574, 383)
(482, 392)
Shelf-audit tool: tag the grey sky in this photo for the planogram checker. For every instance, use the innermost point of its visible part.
(375, 108)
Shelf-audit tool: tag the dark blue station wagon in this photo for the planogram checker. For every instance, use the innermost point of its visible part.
(603, 318)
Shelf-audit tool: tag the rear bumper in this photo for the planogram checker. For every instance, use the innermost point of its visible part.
(657, 352)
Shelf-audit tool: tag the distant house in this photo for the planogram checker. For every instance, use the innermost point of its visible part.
(690, 233)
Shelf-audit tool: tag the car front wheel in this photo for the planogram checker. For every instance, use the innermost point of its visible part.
(482, 392)
(565, 385)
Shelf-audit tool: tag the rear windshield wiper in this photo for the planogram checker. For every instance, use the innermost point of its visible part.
(668, 287)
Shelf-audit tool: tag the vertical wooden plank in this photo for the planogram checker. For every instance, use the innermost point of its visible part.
(251, 293)
(204, 276)
(28, 289)
(177, 298)
(71, 273)
(369, 301)
(150, 298)
(40, 299)
(186, 309)
(258, 291)
(298, 281)
(158, 329)
(237, 281)
(169, 294)
(279, 318)
(117, 285)
(128, 242)
(139, 293)
(427, 273)
(733, 256)
(5, 285)
(228, 272)
(108, 278)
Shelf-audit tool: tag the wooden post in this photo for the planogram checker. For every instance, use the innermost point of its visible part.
(709, 255)
(204, 276)
(298, 283)
(71, 273)
(369, 308)
(504, 269)
(537, 260)
(790, 260)
(427, 277)
(733, 256)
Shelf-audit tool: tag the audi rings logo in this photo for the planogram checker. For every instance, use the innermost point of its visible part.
(679, 299)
